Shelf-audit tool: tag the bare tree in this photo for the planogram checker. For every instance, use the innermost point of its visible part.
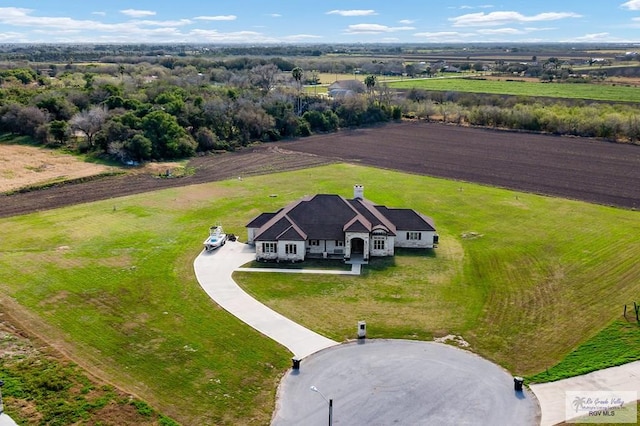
(89, 122)
(265, 76)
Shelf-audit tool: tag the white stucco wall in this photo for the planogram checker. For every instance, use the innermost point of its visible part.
(426, 240)
(291, 257)
(389, 243)
(325, 246)
(251, 233)
(281, 251)
(260, 254)
(350, 236)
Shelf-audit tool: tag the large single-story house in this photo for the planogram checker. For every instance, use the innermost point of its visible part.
(331, 226)
(345, 88)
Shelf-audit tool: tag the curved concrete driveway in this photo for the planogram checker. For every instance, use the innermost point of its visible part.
(213, 272)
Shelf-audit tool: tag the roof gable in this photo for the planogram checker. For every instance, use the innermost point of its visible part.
(374, 215)
(357, 224)
(272, 232)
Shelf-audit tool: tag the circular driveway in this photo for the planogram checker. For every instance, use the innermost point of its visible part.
(402, 382)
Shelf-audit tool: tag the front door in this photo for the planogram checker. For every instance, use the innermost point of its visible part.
(357, 246)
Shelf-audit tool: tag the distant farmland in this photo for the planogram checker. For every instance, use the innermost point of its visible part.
(522, 88)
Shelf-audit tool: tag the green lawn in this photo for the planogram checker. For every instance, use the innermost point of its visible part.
(524, 278)
(521, 88)
(616, 344)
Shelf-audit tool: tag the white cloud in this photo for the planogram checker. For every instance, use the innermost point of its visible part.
(354, 12)
(438, 34)
(275, 15)
(594, 37)
(374, 29)
(178, 23)
(137, 13)
(99, 13)
(406, 21)
(216, 18)
(19, 17)
(501, 31)
(445, 36)
(300, 37)
(482, 6)
(10, 36)
(503, 18)
(232, 37)
(631, 5)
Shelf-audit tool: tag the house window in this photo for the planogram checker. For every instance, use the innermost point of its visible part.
(291, 249)
(378, 243)
(414, 235)
(314, 242)
(339, 243)
(268, 247)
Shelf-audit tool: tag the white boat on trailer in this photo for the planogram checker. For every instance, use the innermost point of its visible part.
(216, 238)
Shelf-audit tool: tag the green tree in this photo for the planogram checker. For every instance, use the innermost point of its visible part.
(139, 147)
(168, 139)
(370, 82)
(297, 73)
(60, 131)
(59, 107)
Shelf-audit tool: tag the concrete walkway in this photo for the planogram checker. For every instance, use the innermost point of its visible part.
(552, 399)
(213, 271)
(5, 420)
(355, 270)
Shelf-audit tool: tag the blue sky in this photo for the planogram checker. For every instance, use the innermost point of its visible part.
(327, 21)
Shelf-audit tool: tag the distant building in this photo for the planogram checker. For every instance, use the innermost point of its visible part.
(331, 226)
(345, 88)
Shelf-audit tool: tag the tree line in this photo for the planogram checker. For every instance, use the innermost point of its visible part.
(616, 122)
(152, 111)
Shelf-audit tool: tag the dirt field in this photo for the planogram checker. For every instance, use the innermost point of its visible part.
(589, 170)
(575, 168)
(22, 166)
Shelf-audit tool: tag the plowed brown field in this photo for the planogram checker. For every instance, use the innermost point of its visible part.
(584, 169)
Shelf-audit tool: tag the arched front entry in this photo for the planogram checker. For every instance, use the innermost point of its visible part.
(357, 246)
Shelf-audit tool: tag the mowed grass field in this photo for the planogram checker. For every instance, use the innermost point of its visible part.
(525, 279)
(617, 93)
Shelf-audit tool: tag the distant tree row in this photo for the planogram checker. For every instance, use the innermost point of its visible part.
(145, 111)
(151, 112)
(614, 122)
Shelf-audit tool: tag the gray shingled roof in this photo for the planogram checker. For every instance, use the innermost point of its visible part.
(328, 216)
(408, 219)
(261, 219)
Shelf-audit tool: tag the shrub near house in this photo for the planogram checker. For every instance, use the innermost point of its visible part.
(328, 225)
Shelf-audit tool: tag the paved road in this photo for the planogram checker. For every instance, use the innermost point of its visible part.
(213, 271)
(402, 382)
